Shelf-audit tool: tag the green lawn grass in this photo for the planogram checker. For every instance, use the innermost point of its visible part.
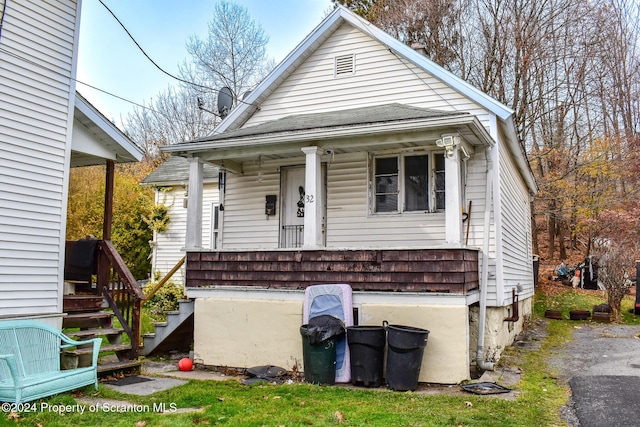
(540, 395)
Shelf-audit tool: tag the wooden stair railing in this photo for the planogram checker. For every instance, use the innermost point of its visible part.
(164, 280)
(158, 286)
(121, 291)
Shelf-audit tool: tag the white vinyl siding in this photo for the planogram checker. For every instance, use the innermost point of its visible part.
(350, 225)
(516, 229)
(348, 221)
(380, 78)
(36, 69)
(475, 192)
(245, 223)
(475, 185)
(169, 245)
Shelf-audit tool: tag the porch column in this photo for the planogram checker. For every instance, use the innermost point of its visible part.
(193, 240)
(313, 199)
(453, 197)
(108, 200)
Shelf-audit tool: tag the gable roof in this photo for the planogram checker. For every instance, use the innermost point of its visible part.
(239, 115)
(339, 16)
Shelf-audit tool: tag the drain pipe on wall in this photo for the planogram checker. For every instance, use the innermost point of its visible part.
(482, 316)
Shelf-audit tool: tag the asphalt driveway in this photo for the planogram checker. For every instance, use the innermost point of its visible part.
(602, 367)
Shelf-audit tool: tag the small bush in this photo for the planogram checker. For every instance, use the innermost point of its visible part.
(165, 299)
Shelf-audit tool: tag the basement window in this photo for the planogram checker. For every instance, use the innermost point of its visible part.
(345, 65)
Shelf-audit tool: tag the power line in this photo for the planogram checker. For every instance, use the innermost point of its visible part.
(147, 56)
(239, 101)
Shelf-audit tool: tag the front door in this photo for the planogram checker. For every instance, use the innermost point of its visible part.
(292, 206)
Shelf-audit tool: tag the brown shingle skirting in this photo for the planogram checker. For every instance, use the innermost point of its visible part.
(415, 270)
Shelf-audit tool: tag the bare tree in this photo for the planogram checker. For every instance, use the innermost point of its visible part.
(172, 117)
(233, 54)
(569, 69)
(615, 261)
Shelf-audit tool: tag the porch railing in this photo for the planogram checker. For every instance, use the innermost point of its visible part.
(292, 236)
(121, 291)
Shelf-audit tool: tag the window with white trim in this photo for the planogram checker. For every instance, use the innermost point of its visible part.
(408, 183)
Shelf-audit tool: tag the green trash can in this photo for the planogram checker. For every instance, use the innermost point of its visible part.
(319, 359)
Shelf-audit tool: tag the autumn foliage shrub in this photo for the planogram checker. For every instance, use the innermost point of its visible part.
(165, 299)
(132, 205)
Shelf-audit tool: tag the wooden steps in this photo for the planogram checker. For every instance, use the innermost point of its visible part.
(93, 333)
(96, 319)
(87, 318)
(115, 348)
(126, 366)
(83, 303)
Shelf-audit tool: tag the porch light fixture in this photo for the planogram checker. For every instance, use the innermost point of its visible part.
(448, 143)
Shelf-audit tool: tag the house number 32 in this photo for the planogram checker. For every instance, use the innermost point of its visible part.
(308, 198)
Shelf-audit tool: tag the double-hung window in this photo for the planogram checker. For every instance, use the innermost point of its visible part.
(408, 183)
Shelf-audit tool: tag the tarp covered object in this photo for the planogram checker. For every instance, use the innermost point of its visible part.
(333, 300)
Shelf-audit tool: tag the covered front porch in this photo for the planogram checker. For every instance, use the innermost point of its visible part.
(283, 183)
(379, 197)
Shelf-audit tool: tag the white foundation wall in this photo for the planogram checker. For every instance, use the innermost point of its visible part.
(446, 356)
(244, 332)
(500, 334)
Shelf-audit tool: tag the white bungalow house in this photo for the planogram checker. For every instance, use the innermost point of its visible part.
(359, 161)
(45, 129)
(170, 182)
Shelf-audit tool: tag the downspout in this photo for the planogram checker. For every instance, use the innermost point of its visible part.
(482, 317)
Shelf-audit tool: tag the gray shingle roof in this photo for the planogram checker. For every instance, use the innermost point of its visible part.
(343, 118)
(176, 170)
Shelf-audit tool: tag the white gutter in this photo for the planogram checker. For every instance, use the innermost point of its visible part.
(484, 280)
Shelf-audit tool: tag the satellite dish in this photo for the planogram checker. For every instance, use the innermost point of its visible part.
(225, 101)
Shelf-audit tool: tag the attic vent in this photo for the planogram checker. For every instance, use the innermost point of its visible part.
(345, 65)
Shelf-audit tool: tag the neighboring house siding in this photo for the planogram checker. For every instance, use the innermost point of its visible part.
(36, 69)
(516, 230)
(169, 244)
(380, 78)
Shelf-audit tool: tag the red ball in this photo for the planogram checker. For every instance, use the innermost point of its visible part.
(185, 364)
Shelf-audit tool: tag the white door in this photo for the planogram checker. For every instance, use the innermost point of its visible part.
(292, 206)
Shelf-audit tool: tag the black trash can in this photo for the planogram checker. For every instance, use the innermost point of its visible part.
(366, 347)
(319, 349)
(404, 355)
